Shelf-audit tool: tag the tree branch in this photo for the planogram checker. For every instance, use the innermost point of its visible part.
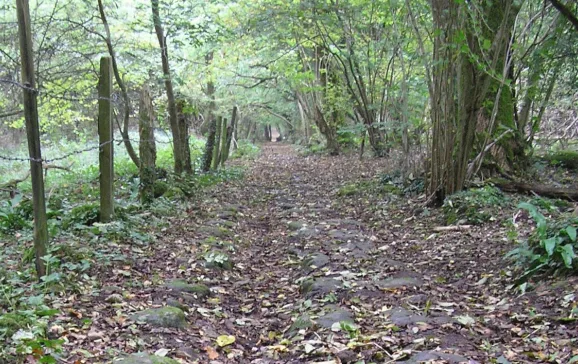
(563, 9)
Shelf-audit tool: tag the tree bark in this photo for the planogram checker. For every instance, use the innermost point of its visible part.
(30, 95)
(542, 190)
(217, 144)
(209, 146)
(230, 131)
(147, 148)
(123, 90)
(177, 141)
(183, 121)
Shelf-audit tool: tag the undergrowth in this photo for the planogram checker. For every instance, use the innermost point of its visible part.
(551, 246)
(474, 206)
(81, 247)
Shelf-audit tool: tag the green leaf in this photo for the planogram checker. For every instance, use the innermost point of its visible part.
(567, 253)
(550, 245)
(225, 340)
(574, 359)
(571, 231)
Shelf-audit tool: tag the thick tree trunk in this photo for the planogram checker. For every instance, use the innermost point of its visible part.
(177, 141)
(460, 88)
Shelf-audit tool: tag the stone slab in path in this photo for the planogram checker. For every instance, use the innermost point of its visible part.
(144, 358)
(169, 317)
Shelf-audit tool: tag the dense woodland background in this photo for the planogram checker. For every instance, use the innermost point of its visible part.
(454, 95)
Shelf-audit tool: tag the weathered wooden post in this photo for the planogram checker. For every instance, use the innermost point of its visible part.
(230, 131)
(223, 141)
(33, 133)
(217, 145)
(105, 140)
(209, 146)
(147, 148)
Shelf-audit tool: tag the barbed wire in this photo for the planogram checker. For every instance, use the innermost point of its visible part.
(84, 150)
(47, 94)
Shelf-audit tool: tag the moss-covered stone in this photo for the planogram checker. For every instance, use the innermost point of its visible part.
(180, 285)
(174, 193)
(296, 225)
(216, 231)
(348, 190)
(162, 317)
(144, 358)
(160, 187)
(303, 322)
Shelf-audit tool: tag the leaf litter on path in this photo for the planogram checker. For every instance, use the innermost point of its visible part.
(280, 268)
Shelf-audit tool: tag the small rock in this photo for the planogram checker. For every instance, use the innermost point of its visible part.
(400, 282)
(219, 232)
(179, 285)
(144, 358)
(319, 286)
(428, 356)
(296, 225)
(339, 315)
(315, 261)
(114, 298)
(162, 317)
(111, 289)
(176, 303)
(95, 335)
(301, 323)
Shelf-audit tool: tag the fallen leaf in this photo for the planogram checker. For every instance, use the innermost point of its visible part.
(225, 340)
(212, 353)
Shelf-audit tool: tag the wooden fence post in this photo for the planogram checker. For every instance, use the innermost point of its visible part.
(147, 147)
(105, 140)
(217, 145)
(230, 131)
(223, 142)
(33, 133)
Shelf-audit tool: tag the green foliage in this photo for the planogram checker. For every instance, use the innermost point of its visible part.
(565, 158)
(409, 185)
(15, 214)
(86, 214)
(551, 246)
(474, 206)
(246, 149)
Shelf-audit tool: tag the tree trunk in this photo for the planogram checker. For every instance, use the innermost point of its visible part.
(147, 147)
(217, 144)
(123, 90)
(230, 131)
(183, 122)
(210, 145)
(460, 88)
(177, 141)
(30, 95)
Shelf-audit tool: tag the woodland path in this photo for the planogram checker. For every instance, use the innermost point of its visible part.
(305, 259)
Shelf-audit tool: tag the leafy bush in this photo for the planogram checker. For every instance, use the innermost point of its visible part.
(86, 214)
(15, 214)
(551, 247)
(409, 185)
(475, 206)
(245, 149)
(565, 158)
